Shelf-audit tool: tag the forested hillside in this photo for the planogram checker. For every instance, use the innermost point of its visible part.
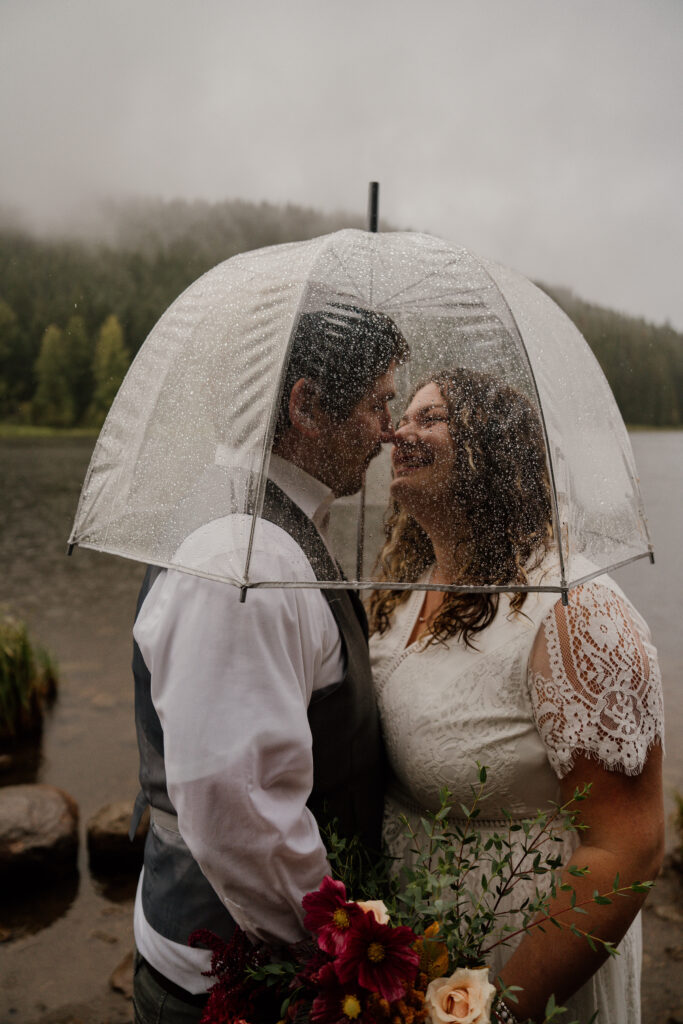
(74, 312)
(643, 362)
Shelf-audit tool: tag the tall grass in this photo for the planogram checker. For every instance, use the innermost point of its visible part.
(28, 681)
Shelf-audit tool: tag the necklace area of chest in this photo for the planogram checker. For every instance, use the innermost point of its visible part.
(429, 609)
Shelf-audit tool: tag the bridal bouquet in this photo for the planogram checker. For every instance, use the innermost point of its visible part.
(416, 946)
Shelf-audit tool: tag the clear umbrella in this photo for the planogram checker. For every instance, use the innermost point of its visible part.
(190, 436)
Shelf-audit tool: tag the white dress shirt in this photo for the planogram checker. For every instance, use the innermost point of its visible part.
(231, 684)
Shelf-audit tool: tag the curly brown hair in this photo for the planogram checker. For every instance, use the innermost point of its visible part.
(501, 491)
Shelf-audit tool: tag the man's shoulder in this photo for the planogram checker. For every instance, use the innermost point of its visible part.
(222, 546)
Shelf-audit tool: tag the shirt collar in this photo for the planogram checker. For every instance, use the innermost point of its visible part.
(312, 496)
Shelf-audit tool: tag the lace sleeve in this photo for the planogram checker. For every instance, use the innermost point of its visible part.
(595, 684)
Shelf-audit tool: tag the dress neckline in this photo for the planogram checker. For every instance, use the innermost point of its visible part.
(412, 611)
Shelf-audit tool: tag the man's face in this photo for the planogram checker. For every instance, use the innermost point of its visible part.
(354, 442)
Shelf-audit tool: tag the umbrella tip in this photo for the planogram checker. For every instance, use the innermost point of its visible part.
(373, 206)
(243, 594)
(70, 550)
(652, 557)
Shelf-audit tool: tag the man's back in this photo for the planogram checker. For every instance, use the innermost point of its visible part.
(249, 697)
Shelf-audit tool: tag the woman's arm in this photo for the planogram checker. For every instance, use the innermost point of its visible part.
(595, 689)
(625, 835)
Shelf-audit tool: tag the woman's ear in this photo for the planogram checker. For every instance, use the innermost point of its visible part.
(304, 408)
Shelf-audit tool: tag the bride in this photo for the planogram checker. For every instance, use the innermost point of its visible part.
(547, 697)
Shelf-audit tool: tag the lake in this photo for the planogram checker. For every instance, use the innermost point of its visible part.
(81, 608)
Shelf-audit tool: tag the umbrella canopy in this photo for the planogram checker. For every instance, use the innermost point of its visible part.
(189, 437)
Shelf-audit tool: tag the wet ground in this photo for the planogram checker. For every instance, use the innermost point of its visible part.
(59, 947)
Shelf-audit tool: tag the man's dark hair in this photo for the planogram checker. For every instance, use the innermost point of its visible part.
(342, 349)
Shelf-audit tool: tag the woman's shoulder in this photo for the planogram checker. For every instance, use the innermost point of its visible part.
(594, 679)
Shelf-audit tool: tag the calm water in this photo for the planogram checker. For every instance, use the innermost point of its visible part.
(81, 609)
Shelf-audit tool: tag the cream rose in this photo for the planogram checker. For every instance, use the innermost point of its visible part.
(464, 998)
(375, 907)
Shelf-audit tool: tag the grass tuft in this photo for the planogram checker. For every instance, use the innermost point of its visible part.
(28, 681)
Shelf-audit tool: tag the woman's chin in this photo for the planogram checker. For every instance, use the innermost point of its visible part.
(407, 492)
(419, 496)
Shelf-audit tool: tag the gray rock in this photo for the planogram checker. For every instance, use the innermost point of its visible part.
(38, 831)
(109, 847)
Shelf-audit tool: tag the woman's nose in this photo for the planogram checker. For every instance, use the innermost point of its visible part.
(405, 432)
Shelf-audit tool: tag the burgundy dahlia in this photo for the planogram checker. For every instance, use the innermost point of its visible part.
(328, 914)
(379, 956)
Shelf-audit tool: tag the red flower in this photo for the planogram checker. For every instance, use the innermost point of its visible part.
(337, 1005)
(379, 956)
(328, 915)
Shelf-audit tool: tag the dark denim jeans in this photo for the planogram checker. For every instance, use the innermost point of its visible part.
(154, 1005)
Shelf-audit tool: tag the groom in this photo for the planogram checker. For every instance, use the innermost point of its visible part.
(256, 720)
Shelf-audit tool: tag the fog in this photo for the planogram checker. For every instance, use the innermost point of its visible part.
(542, 134)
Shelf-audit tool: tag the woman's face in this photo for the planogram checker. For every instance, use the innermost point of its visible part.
(423, 457)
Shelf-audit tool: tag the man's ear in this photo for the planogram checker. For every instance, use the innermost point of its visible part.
(304, 408)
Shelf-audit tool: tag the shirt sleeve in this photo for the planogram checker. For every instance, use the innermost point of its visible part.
(595, 684)
(231, 684)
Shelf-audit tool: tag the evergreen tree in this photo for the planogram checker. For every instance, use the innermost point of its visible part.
(110, 363)
(79, 372)
(154, 249)
(9, 340)
(53, 401)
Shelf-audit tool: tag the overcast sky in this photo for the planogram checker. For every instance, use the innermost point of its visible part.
(545, 134)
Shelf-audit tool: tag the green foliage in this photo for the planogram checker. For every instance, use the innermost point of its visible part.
(147, 254)
(53, 401)
(642, 362)
(79, 358)
(110, 363)
(361, 870)
(461, 885)
(28, 681)
(9, 341)
(467, 884)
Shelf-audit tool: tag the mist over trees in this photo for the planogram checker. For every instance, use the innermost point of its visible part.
(73, 312)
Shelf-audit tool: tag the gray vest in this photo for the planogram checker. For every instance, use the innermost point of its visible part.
(348, 756)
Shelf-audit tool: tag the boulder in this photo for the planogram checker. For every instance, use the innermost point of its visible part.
(109, 847)
(38, 831)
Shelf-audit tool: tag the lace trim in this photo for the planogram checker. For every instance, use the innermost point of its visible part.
(595, 684)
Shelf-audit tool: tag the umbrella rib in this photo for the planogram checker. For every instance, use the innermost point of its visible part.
(610, 568)
(420, 302)
(367, 584)
(413, 284)
(355, 285)
(551, 467)
(438, 272)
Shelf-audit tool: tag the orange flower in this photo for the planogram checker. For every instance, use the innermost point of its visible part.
(433, 955)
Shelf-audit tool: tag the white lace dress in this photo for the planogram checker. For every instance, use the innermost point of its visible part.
(444, 709)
